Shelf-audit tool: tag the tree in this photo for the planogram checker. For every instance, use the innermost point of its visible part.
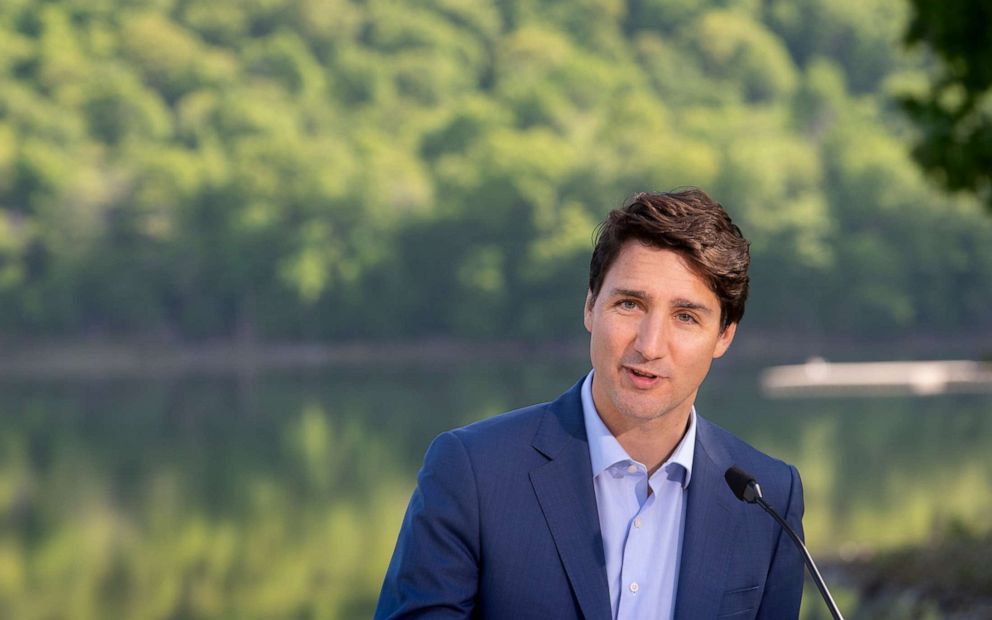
(955, 114)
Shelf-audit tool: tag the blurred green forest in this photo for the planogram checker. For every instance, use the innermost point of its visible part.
(955, 113)
(337, 170)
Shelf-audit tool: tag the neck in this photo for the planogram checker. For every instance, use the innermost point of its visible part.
(653, 441)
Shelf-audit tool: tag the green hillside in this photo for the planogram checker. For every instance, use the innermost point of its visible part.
(337, 170)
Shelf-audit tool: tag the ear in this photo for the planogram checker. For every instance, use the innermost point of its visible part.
(724, 339)
(587, 311)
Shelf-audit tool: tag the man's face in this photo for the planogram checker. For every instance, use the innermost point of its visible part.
(655, 328)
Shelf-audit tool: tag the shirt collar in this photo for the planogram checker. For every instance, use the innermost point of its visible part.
(605, 450)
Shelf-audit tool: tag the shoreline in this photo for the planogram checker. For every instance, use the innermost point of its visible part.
(124, 357)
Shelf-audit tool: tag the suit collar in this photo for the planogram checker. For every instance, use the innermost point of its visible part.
(564, 489)
(561, 427)
(711, 522)
(569, 504)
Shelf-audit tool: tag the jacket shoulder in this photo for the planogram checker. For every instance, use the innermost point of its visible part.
(775, 476)
(737, 448)
(526, 421)
(516, 427)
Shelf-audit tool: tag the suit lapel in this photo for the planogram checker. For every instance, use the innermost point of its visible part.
(711, 522)
(564, 489)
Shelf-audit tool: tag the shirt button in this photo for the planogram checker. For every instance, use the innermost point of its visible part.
(634, 587)
(637, 522)
(632, 469)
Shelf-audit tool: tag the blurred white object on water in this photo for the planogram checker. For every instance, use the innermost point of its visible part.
(818, 377)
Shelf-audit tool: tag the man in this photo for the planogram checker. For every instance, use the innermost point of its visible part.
(610, 502)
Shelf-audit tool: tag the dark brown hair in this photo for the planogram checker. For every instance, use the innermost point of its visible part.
(689, 222)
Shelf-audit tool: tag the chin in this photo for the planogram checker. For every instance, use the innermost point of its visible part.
(641, 412)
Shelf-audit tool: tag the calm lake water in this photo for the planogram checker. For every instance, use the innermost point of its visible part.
(280, 495)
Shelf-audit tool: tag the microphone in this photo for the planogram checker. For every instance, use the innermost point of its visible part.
(746, 488)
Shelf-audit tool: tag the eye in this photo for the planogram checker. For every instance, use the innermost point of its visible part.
(627, 304)
(685, 317)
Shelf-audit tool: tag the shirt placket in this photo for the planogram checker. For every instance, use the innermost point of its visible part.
(637, 545)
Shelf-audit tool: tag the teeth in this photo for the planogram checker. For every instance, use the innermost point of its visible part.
(642, 374)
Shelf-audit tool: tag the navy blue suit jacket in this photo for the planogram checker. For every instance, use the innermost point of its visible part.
(503, 524)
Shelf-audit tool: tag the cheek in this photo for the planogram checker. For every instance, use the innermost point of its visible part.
(600, 342)
(690, 357)
(700, 360)
(610, 332)
(604, 343)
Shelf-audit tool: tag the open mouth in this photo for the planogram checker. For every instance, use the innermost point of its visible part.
(646, 375)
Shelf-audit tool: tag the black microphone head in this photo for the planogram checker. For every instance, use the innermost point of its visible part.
(744, 486)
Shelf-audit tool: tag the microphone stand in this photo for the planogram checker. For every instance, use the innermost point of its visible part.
(813, 571)
(747, 489)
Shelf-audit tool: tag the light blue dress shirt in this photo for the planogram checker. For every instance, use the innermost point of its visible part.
(642, 534)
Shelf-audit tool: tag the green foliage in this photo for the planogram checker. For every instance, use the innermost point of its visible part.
(860, 35)
(339, 169)
(955, 113)
(734, 48)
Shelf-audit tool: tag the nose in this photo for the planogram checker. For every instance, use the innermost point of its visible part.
(651, 340)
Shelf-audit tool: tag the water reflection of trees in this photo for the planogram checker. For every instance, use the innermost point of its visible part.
(885, 471)
(167, 501)
(186, 498)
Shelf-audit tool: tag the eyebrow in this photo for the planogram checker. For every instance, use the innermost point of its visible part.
(679, 302)
(627, 292)
(691, 305)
